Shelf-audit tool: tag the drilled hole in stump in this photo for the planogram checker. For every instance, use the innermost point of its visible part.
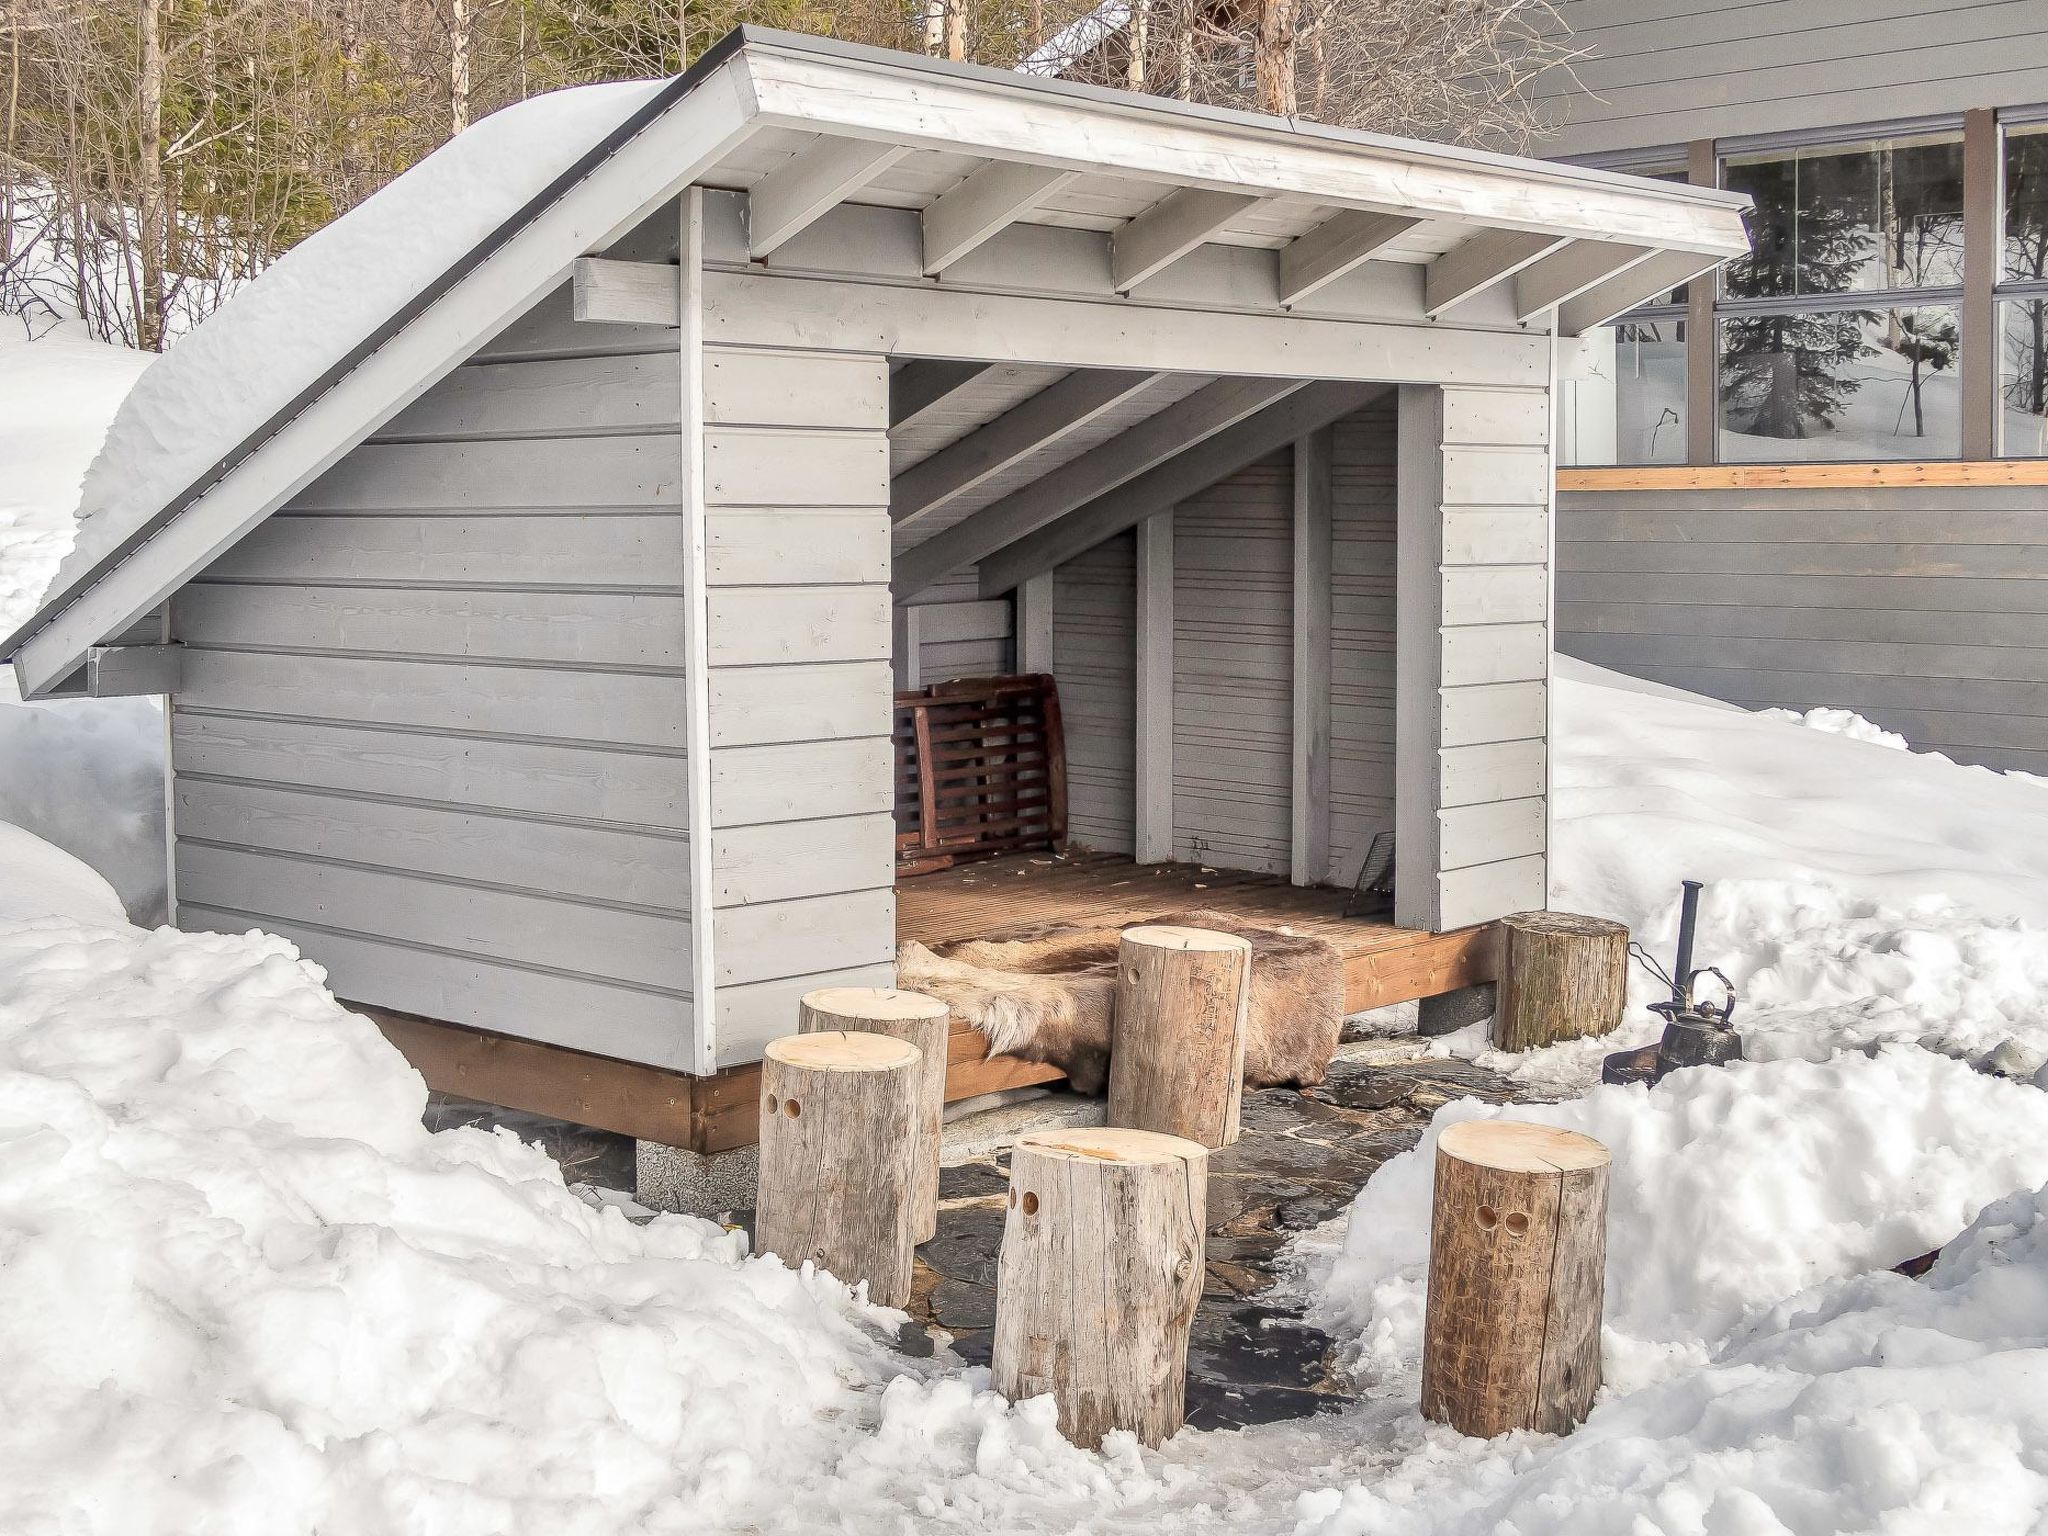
(1013, 1197)
(1487, 1218)
(791, 1108)
(1516, 1223)
(773, 1103)
(1030, 1204)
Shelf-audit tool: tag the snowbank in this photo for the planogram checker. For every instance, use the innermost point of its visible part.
(1731, 1190)
(85, 774)
(244, 1290)
(310, 309)
(1871, 1404)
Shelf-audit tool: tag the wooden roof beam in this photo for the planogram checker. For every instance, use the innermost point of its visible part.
(1209, 410)
(1176, 224)
(1027, 429)
(1194, 470)
(918, 388)
(977, 210)
(795, 195)
(1335, 247)
(1568, 272)
(1492, 256)
(1621, 293)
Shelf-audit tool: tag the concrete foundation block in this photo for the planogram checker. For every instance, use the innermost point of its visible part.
(707, 1184)
(1449, 1012)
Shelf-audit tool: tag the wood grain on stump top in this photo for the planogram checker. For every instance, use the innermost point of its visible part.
(832, 1050)
(1112, 1144)
(1516, 1146)
(882, 1004)
(1563, 922)
(1166, 937)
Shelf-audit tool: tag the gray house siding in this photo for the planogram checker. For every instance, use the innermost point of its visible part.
(1667, 71)
(433, 726)
(956, 632)
(1361, 637)
(1924, 610)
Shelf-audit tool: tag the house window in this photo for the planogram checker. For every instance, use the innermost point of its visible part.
(1840, 337)
(2022, 306)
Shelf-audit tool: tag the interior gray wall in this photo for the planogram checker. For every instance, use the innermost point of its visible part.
(1667, 71)
(1233, 664)
(959, 632)
(1925, 610)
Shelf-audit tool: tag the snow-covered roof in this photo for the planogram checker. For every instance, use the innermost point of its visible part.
(356, 322)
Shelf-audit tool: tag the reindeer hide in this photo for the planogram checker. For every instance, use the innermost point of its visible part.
(1049, 994)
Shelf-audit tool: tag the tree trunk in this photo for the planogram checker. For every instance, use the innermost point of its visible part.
(152, 217)
(839, 1117)
(1100, 1273)
(1176, 1060)
(1562, 976)
(1134, 69)
(1273, 58)
(935, 27)
(1517, 1265)
(458, 66)
(925, 1022)
(956, 30)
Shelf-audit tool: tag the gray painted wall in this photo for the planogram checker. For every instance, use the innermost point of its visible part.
(433, 723)
(1666, 71)
(1233, 664)
(958, 632)
(1925, 610)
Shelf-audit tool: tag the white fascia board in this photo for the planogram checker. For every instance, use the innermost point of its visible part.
(693, 135)
(956, 113)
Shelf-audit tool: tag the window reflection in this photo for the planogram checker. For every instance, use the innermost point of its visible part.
(1841, 384)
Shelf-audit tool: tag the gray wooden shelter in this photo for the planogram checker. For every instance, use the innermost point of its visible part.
(533, 669)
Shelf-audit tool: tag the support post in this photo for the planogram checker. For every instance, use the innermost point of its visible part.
(1100, 1273)
(1517, 1267)
(906, 638)
(1309, 859)
(925, 1022)
(697, 639)
(1562, 977)
(839, 1116)
(1152, 786)
(1034, 598)
(1418, 656)
(1176, 1061)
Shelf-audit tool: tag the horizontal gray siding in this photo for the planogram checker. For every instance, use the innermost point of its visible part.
(1924, 610)
(959, 632)
(1665, 71)
(432, 727)
(1094, 642)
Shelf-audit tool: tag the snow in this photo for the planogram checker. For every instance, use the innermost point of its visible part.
(310, 309)
(85, 774)
(1730, 1190)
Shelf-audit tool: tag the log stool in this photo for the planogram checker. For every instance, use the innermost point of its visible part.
(1561, 976)
(1176, 1062)
(1517, 1267)
(839, 1119)
(1100, 1272)
(925, 1022)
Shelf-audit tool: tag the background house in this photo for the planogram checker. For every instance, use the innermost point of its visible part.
(1823, 479)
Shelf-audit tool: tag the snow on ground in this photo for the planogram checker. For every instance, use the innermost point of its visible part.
(85, 774)
(1856, 893)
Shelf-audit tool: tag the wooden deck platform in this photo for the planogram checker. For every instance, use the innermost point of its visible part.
(1382, 963)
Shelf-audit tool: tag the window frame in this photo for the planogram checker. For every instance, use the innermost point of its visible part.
(2004, 290)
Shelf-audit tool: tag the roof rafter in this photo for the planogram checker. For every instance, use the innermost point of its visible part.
(1489, 257)
(1334, 247)
(1621, 293)
(1209, 410)
(925, 385)
(1569, 271)
(1157, 238)
(1195, 469)
(795, 195)
(1055, 412)
(977, 210)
